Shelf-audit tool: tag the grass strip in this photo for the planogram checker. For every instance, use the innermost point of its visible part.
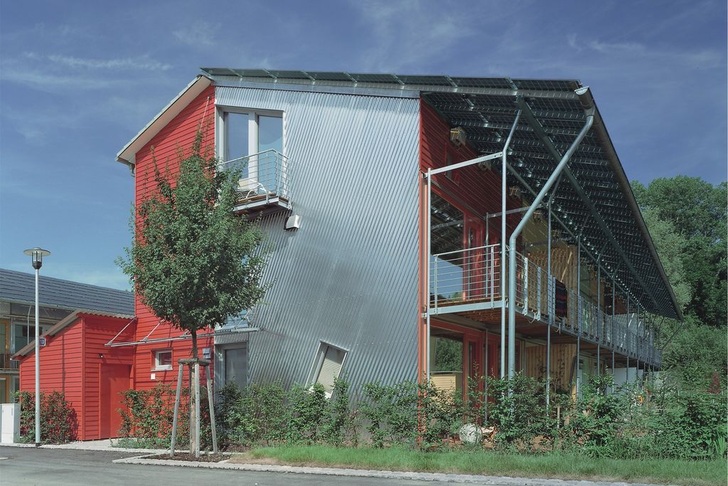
(489, 463)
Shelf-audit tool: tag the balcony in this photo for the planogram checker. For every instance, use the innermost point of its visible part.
(264, 183)
(6, 363)
(468, 283)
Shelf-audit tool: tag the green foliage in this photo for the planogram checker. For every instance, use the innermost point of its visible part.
(633, 422)
(339, 422)
(696, 210)
(58, 420)
(257, 414)
(441, 415)
(595, 418)
(390, 413)
(307, 413)
(147, 417)
(518, 411)
(694, 354)
(193, 262)
(448, 354)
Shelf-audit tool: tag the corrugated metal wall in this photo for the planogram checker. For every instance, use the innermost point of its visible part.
(349, 275)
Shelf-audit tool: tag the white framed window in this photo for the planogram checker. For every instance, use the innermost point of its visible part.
(163, 359)
(327, 367)
(251, 140)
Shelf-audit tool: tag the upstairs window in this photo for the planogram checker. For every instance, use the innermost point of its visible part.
(251, 142)
(248, 133)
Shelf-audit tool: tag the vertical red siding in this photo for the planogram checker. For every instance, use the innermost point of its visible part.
(168, 147)
(98, 331)
(69, 364)
(435, 149)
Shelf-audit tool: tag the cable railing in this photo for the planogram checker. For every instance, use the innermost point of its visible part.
(264, 178)
(473, 276)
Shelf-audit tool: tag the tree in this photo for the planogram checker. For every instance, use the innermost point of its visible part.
(697, 211)
(193, 262)
(686, 218)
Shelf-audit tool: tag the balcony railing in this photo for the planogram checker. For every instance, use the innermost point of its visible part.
(6, 363)
(473, 277)
(264, 180)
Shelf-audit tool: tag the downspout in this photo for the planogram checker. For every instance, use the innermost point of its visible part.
(549, 286)
(589, 111)
(427, 274)
(504, 157)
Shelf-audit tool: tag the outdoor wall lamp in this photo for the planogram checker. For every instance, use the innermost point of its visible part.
(37, 255)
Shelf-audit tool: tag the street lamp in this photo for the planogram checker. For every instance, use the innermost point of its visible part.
(37, 255)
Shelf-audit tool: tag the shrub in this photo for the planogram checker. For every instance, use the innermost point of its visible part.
(518, 411)
(390, 412)
(339, 421)
(147, 417)
(253, 415)
(58, 419)
(595, 418)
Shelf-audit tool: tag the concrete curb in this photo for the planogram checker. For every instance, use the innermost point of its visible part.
(366, 473)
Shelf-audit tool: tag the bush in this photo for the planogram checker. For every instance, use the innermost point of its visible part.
(595, 417)
(633, 422)
(58, 420)
(518, 412)
(147, 417)
(390, 412)
(255, 415)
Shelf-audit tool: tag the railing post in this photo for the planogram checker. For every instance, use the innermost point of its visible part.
(434, 280)
(525, 285)
(538, 291)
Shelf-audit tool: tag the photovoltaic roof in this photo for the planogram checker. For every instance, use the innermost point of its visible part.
(594, 199)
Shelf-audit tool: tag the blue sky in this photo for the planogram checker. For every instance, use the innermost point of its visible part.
(78, 79)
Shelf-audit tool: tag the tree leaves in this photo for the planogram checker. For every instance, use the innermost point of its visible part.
(193, 262)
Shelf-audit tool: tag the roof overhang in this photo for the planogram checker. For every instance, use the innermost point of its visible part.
(596, 196)
(127, 155)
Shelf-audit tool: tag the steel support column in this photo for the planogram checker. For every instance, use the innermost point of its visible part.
(512, 241)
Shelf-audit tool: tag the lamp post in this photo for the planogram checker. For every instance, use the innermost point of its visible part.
(37, 255)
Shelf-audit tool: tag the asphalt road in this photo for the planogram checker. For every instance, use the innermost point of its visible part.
(59, 467)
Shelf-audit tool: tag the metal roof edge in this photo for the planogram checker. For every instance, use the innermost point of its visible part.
(128, 153)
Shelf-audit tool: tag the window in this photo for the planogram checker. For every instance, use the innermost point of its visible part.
(163, 359)
(328, 366)
(252, 142)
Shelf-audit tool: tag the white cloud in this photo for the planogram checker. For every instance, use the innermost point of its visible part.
(199, 34)
(618, 48)
(138, 63)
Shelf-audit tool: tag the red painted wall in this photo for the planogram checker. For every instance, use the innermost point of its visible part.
(173, 141)
(473, 191)
(70, 364)
(436, 151)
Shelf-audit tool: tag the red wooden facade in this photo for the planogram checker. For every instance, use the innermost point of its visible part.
(481, 350)
(76, 362)
(77, 359)
(164, 152)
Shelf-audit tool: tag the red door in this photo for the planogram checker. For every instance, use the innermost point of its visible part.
(114, 380)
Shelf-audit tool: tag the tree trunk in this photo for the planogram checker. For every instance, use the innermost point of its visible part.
(194, 399)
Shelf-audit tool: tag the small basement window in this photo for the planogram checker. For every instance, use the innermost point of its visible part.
(163, 359)
(328, 366)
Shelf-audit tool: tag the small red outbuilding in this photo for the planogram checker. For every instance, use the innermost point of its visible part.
(76, 361)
